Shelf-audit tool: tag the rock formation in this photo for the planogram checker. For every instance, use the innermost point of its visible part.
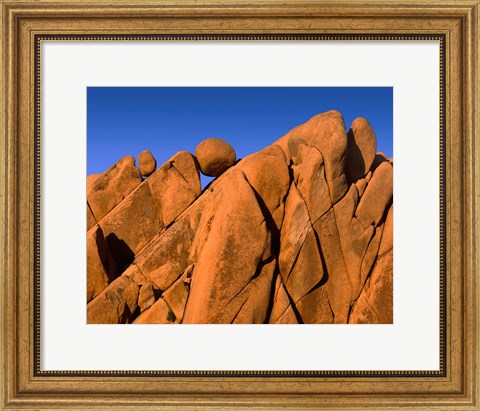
(146, 163)
(214, 156)
(299, 232)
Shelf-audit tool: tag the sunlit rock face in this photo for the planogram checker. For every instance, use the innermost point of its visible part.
(300, 232)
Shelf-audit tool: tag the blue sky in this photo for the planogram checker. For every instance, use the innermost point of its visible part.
(127, 120)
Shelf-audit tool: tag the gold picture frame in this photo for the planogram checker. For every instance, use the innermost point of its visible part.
(25, 24)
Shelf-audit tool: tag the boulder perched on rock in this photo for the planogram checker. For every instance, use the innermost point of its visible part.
(146, 163)
(300, 232)
(215, 156)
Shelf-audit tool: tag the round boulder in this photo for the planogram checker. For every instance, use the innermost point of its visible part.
(147, 163)
(362, 148)
(215, 156)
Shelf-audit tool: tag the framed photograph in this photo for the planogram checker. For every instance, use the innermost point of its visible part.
(197, 205)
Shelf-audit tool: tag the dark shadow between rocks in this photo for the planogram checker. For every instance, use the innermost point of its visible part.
(271, 299)
(109, 262)
(379, 159)
(121, 251)
(197, 165)
(325, 277)
(272, 227)
(126, 316)
(355, 162)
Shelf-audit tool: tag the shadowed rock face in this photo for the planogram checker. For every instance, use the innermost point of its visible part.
(299, 232)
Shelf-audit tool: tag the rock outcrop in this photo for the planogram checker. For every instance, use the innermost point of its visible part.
(215, 156)
(299, 232)
(146, 163)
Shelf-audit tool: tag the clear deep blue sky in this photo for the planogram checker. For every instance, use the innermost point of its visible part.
(127, 120)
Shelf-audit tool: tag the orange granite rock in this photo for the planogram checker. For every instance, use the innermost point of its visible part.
(224, 268)
(116, 304)
(375, 303)
(300, 232)
(215, 156)
(113, 186)
(90, 218)
(91, 181)
(158, 313)
(146, 163)
(124, 238)
(102, 267)
(325, 132)
(174, 186)
(267, 172)
(377, 196)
